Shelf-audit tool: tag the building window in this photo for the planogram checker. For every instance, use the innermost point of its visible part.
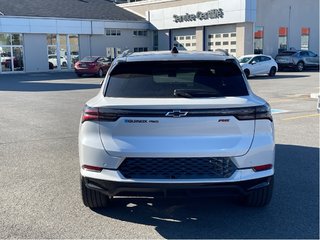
(218, 35)
(225, 43)
(233, 34)
(305, 33)
(113, 52)
(63, 51)
(233, 50)
(140, 33)
(225, 35)
(210, 36)
(187, 42)
(11, 52)
(258, 40)
(140, 49)
(233, 42)
(155, 40)
(74, 49)
(283, 39)
(113, 32)
(210, 43)
(218, 43)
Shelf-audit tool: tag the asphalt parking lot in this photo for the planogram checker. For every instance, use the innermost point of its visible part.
(39, 188)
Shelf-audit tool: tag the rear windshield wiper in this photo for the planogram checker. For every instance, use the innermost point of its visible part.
(191, 93)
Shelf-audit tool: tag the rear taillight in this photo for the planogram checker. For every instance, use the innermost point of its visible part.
(262, 167)
(97, 114)
(264, 112)
(92, 168)
(90, 114)
(259, 112)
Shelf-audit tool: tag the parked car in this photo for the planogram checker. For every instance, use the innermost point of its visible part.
(54, 63)
(92, 65)
(176, 123)
(257, 64)
(297, 59)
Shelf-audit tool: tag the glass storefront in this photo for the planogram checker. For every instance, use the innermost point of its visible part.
(11, 52)
(305, 32)
(74, 49)
(68, 53)
(258, 40)
(283, 39)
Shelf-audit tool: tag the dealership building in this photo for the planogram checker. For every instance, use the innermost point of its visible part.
(36, 34)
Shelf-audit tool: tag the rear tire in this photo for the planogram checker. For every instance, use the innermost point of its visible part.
(247, 73)
(300, 66)
(100, 73)
(259, 197)
(92, 198)
(272, 72)
(51, 66)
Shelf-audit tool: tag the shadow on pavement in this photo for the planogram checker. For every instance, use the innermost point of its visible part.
(37, 82)
(276, 77)
(293, 212)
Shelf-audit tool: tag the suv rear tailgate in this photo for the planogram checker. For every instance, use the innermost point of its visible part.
(146, 135)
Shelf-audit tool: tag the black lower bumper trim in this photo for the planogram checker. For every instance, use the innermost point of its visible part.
(175, 189)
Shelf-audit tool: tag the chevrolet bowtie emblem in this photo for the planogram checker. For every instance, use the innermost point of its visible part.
(176, 114)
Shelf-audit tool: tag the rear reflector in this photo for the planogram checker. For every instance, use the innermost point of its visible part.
(92, 168)
(262, 167)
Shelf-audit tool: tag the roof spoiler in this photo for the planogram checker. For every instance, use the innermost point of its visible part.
(223, 51)
(125, 53)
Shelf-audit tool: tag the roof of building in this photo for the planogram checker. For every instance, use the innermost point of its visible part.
(80, 9)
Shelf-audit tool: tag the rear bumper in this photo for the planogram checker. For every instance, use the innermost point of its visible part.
(86, 70)
(112, 188)
(286, 65)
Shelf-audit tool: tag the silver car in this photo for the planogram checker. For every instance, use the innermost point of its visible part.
(176, 123)
(298, 60)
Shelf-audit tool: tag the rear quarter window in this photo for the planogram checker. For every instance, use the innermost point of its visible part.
(161, 79)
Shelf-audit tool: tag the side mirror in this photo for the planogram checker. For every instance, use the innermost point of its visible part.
(253, 62)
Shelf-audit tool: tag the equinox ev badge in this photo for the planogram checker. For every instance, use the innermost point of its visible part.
(176, 114)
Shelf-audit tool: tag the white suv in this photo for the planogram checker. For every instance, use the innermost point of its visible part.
(176, 123)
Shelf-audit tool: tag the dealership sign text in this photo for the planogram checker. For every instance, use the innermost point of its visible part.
(211, 14)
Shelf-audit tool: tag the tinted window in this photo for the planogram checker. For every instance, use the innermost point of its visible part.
(165, 79)
(264, 58)
(255, 59)
(89, 59)
(304, 54)
(244, 59)
(287, 53)
(311, 54)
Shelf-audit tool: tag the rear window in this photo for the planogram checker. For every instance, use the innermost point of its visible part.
(193, 79)
(286, 53)
(89, 59)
